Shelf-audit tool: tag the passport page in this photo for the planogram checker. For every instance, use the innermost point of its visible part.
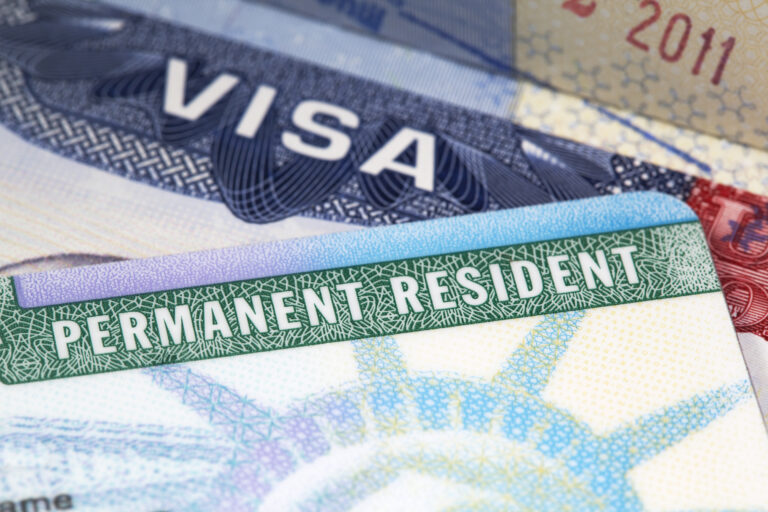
(694, 64)
(575, 354)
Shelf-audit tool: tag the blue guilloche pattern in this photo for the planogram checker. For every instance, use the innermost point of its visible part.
(86, 81)
(511, 448)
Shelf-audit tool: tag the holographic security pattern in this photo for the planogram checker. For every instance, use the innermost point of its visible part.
(458, 430)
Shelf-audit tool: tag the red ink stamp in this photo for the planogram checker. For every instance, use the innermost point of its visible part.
(736, 225)
(580, 8)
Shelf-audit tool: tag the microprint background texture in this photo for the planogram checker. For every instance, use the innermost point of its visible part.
(376, 421)
(671, 260)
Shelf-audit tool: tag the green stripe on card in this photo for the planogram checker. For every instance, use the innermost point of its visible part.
(388, 298)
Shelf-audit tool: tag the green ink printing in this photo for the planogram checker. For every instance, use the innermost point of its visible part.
(348, 303)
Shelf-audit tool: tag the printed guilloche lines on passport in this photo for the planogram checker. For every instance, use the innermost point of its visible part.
(500, 359)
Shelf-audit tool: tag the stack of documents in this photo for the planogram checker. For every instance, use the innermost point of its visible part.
(253, 261)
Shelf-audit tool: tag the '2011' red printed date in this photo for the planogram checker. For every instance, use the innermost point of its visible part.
(675, 38)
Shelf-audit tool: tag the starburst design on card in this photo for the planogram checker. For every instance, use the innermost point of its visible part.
(486, 443)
